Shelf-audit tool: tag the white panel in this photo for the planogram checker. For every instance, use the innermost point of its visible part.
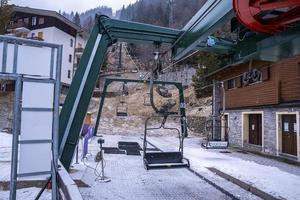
(36, 125)
(34, 61)
(1, 55)
(35, 158)
(38, 95)
(10, 58)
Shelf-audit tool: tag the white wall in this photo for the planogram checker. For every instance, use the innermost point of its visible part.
(80, 40)
(56, 36)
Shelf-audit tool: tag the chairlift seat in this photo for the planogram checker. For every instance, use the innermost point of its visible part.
(122, 114)
(157, 160)
(122, 110)
(147, 100)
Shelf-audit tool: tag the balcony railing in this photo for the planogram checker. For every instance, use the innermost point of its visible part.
(18, 25)
(79, 50)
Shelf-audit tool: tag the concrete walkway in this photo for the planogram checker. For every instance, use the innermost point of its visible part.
(129, 179)
(278, 179)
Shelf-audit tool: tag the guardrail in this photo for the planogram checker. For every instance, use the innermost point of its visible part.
(68, 187)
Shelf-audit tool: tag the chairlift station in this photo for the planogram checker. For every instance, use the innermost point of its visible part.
(45, 138)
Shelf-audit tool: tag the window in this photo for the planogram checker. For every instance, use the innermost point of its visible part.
(41, 20)
(239, 81)
(231, 84)
(33, 21)
(71, 42)
(40, 35)
(32, 35)
(70, 58)
(69, 74)
(26, 20)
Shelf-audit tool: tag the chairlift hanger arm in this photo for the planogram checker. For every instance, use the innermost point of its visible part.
(105, 32)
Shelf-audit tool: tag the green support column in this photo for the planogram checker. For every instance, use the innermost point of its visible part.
(107, 83)
(182, 109)
(80, 93)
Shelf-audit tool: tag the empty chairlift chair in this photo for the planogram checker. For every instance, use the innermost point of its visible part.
(147, 101)
(122, 108)
(160, 160)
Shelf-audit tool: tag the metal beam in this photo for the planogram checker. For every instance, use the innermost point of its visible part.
(178, 85)
(137, 32)
(274, 48)
(217, 45)
(213, 15)
(105, 32)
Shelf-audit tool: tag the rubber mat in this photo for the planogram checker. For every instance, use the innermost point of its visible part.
(133, 152)
(131, 148)
(113, 150)
(225, 152)
(126, 145)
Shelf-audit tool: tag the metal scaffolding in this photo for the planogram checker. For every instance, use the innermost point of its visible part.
(16, 73)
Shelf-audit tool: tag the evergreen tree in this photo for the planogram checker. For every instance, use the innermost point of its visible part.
(5, 15)
(76, 19)
(71, 16)
(208, 62)
(88, 24)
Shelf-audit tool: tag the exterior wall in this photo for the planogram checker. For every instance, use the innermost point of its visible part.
(284, 80)
(271, 140)
(235, 122)
(80, 41)
(56, 36)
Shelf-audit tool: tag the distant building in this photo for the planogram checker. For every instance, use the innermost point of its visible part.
(52, 27)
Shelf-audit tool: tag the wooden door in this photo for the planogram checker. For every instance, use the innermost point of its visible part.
(289, 134)
(255, 129)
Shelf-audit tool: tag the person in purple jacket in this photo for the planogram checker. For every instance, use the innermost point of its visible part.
(87, 133)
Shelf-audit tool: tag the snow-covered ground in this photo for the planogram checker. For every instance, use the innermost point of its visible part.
(129, 176)
(130, 181)
(26, 194)
(5, 164)
(278, 179)
(5, 156)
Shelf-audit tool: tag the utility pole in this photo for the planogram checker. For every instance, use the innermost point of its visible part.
(171, 13)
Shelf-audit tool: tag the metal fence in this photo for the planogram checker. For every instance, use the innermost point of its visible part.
(36, 69)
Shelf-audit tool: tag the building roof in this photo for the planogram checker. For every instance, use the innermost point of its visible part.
(49, 13)
(232, 66)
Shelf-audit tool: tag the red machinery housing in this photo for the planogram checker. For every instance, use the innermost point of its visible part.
(267, 16)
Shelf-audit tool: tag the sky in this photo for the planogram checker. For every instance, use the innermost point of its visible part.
(72, 5)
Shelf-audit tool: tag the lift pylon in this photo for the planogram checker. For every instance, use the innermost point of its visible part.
(105, 32)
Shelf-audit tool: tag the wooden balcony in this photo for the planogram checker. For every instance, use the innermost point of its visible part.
(18, 28)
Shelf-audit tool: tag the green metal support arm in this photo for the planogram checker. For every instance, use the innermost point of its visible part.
(213, 15)
(178, 85)
(105, 32)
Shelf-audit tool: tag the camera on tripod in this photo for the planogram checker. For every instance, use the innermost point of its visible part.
(101, 141)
